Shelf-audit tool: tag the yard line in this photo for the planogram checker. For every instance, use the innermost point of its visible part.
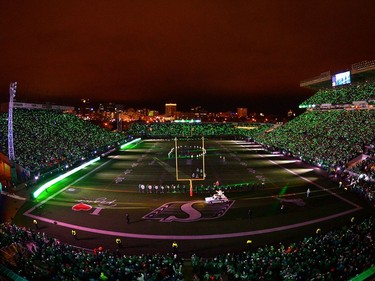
(313, 183)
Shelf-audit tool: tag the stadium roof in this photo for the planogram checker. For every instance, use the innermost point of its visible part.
(362, 71)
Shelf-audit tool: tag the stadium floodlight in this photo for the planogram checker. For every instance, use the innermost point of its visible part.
(12, 94)
(125, 145)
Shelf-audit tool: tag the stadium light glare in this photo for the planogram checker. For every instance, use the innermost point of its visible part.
(125, 145)
(301, 171)
(271, 155)
(281, 162)
(61, 177)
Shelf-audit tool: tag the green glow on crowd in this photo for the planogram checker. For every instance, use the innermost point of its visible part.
(61, 177)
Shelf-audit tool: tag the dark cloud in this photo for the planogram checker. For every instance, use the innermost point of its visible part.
(211, 53)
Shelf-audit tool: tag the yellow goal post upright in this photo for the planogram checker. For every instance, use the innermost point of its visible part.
(190, 180)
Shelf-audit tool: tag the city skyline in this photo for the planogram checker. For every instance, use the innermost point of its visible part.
(218, 55)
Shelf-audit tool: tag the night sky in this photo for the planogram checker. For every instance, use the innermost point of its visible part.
(217, 54)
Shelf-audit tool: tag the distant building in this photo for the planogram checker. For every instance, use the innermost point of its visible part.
(199, 112)
(153, 113)
(84, 107)
(170, 109)
(241, 112)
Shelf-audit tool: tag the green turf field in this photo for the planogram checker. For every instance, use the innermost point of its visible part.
(95, 200)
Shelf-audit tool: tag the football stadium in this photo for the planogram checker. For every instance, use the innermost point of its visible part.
(194, 200)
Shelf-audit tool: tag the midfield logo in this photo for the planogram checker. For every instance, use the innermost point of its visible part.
(188, 211)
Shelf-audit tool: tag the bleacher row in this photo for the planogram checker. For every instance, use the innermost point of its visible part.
(364, 91)
(45, 140)
(324, 138)
(336, 255)
(330, 139)
(38, 257)
(214, 130)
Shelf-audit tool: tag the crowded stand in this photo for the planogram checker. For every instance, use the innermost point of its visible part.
(36, 256)
(38, 135)
(365, 167)
(364, 91)
(214, 130)
(329, 139)
(336, 255)
(324, 138)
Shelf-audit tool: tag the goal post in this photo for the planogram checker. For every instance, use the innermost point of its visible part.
(191, 179)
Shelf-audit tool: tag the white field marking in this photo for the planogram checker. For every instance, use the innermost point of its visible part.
(313, 183)
(27, 213)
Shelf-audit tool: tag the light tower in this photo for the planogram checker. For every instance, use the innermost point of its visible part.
(12, 94)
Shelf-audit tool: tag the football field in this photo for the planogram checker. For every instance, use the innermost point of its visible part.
(143, 183)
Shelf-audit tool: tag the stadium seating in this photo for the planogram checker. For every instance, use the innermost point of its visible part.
(343, 95)
(324, 138)
(214, 130)
(44, 258)
(336, 255)
(47, 139)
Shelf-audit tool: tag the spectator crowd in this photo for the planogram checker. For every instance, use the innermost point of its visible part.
(330, 139)
(46, 139)
(335, 255)
(324, 138)
(35, 256)
(214, 130)
(343, 95)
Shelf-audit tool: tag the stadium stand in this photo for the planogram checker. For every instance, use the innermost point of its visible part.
(337, 255)
(39, 135)
(39, 257)
(363, 91)
(324, 138)
(214, 130)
